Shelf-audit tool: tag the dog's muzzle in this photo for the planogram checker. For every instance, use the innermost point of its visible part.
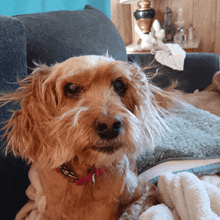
(108, 127)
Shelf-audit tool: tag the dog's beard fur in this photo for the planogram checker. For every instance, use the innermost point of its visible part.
(53, 128)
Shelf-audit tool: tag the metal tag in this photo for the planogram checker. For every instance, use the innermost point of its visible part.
(93, 178)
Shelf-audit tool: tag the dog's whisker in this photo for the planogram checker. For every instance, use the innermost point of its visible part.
(76, 116)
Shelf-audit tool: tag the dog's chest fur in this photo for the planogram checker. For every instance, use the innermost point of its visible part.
(102, 200)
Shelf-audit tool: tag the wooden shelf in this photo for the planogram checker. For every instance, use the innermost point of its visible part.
(190, 46)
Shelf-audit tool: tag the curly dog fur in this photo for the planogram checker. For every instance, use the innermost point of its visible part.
(87, 113)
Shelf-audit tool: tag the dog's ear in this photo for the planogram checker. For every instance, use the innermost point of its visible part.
(165, 98)
(25, 130)
(147, 108)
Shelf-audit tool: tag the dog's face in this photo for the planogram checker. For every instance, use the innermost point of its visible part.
(92, 109)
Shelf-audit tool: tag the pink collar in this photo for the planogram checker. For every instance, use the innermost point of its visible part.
(72, 177)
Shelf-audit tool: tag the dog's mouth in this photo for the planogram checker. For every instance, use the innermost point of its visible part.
(107, 148)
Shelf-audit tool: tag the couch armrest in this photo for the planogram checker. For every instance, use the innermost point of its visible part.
(13, 54)
(199, 69)
(13, 63)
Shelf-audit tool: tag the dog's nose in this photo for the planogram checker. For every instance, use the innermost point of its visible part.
(108, 127)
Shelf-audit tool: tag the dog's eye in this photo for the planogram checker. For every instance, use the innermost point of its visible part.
(71, 90)
(119, 87)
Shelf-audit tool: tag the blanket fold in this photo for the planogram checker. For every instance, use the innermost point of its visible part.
(171, 55)
(186, 197)
(35, 207)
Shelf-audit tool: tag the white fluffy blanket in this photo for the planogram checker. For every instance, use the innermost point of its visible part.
(35, 207)
(186, 197)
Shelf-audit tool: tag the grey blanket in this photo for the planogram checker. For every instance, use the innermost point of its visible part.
(195, 135)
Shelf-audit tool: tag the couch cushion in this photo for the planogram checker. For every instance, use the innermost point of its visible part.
(56, 36)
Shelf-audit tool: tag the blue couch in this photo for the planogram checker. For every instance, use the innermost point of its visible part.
(44, 38)
(53, 37)
(199, 69)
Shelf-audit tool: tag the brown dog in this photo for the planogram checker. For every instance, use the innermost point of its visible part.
(79, 125)
(208, 99)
